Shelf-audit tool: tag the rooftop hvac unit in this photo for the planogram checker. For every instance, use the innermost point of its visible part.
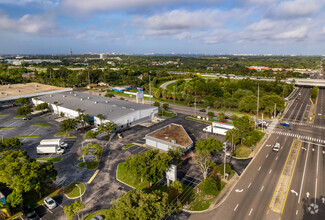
(81, 99)
(88, 97)
(51, 95)
(75, 95)
(63, 96)
(70, 92)
(95, 102)
(173, 141)
(106, 101)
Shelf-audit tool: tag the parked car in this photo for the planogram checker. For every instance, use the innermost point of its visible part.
(97, 218)
(50, 202)
(202, 110)
(30, 213)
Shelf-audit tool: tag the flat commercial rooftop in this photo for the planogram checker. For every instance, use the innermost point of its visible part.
(26, 90)
(172, 132)
(111, 109)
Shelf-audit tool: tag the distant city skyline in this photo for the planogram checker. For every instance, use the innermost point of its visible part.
(163, 26)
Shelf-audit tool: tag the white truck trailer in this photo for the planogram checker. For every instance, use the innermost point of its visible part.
(218, 128)
(49, 149)
(55, 141)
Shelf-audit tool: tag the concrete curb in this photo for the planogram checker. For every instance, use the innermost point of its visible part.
(77, 196)
(121, 180)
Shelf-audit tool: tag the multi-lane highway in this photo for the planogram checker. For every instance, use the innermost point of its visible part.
(289, 184)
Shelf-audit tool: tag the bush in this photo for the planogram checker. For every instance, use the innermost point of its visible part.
(220, 169)
(121, 98)
(109, 95)
(210, 186)
(157, 104)
(211, 114)
(165, 106)
(90, 134)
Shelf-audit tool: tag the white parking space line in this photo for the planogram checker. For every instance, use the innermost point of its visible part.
(262, 188)
(47, 209)
(270, 171)
(250, 211)
(276, 158)
(249, 185)
(235, 207)
(259, 168)
(267, 156)
(303, 174)
(316, 173)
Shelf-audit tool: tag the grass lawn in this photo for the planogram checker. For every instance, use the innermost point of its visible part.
(3, 114)
(81, 164)
(41, 124)
(243, 151)
(61, 134)
(28, 136)
(128, 146)
(91, 165)
(124, 176)
(104, 213)
(7, 127)
(20, 116)
(168, 114)
(201, 203)
(55, 159)
(73, 191)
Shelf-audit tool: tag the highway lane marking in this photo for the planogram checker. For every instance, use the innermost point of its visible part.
(250, 212)
(281, 173)
(267, 212)
(294, 167)
(235, 207)
(270, 171)
(249, 185)
(316, 174)
(259, 168)
(262, 188)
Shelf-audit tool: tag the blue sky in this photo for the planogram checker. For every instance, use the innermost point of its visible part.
(162, 26)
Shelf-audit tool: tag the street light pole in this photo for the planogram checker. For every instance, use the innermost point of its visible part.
(195, 107)
(80, 192)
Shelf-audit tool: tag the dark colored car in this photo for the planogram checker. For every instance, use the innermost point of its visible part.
(202, 110)
(30, 213)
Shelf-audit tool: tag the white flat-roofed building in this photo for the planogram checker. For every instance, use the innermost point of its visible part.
(122, 113)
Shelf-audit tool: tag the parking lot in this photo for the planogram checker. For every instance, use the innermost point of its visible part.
(105, 188)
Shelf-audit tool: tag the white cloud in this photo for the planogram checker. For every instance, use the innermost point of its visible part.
(86, 6)
(218, 36)
(44, 3)
(298, 33)
(295, 8)
(32, 24)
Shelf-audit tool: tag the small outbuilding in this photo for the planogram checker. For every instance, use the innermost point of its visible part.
(168, 136)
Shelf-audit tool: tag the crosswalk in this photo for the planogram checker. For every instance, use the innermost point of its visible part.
(309, 125)
(302, 137)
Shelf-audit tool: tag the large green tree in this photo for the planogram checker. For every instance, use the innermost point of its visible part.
(139, 205)
(107, 127)
(22, 101)
(24, 110)
(22, 175)
(209, 144)
(12, 142)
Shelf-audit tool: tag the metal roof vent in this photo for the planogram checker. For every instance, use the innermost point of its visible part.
(75, 95)
(123, 107)
(114, 105)
(81, 99)
(173, 141)
(106, 101)
(63, 96)
(88, 97)
(51, 95)
(95, 102)
(70, 92)
(132, 109)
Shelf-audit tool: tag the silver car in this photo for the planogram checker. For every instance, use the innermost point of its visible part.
(50, 202)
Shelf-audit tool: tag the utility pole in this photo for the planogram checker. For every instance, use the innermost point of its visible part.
(224, 161)
(258, 100)
(274, 110)
(195, 107)
(149, 89)
(262, 123)
(174, 93)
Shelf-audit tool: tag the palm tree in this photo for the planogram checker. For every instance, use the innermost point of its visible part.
(68, 125)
